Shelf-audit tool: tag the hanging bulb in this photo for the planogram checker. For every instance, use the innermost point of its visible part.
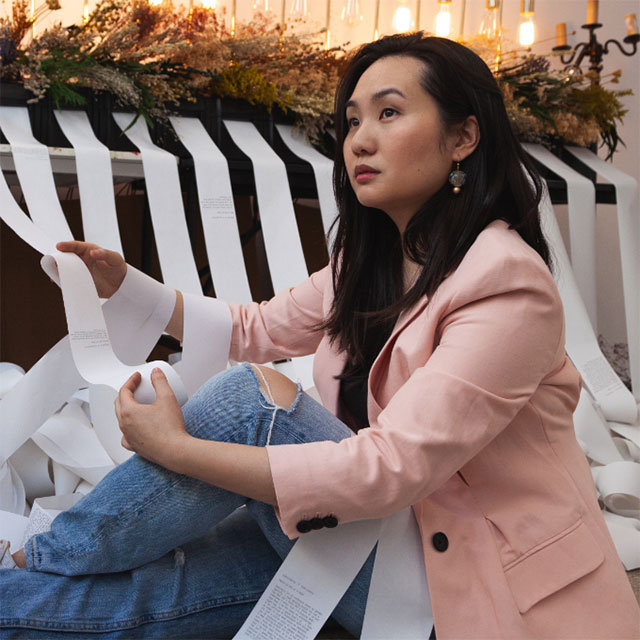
(443, 19)
(351, 13)
(209, 4)
(402, 19)
(155, 3)
(299, 9)
(527, 29)
(490, 25)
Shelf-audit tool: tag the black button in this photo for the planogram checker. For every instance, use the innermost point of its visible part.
(440, 541)
(316, 523)
(330, 522)
(304, 526)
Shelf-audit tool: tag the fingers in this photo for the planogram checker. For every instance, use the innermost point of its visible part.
(75, 246)
(161, 384)
(127, 389)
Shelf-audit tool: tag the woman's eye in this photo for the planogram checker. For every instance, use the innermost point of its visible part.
(352, 122)
(388, 112)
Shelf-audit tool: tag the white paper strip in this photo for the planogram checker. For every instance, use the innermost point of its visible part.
(593, 433)
(629, 232)
(399, 605)
(95, 180)
(287, 265)
(613, 398)
(581, 200)
(219, 224)
(33, 168)
(10, 375)
(12, 528)
(322, 565)
(89, 339)
(310, 582)
(281, 238)
(322, 170)
(207, 331)
(54, 378)
(12, 492)
(32, 465)
(167, 209)
(68, 438)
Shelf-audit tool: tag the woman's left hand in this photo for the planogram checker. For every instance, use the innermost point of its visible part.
(155, 431)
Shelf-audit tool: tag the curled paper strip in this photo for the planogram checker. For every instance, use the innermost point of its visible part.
(322, 170)
(581, 200)
(33, 166)
(166, 207)
(614, 399)
(10, 374)
(95, 180)
(88, 335)
(217, 211)
(286, 260)
(629, 234)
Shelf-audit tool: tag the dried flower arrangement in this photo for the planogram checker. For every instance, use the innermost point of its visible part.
(150, 57)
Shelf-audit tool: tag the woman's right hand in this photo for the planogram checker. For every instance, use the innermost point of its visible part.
(107, 268)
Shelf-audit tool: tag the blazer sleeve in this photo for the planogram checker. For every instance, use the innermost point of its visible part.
(501, 331)
(283, 326)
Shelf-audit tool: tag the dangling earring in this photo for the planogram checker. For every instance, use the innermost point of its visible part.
(457, 178)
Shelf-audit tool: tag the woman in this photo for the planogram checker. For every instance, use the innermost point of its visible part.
(438, 334)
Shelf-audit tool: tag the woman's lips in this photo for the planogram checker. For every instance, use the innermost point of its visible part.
(365, 173)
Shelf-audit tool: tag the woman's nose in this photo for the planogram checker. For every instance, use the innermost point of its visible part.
(363, 139)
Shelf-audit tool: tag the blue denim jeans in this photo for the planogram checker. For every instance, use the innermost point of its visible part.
(153, 554)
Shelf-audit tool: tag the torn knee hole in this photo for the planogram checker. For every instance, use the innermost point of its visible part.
(276, 387)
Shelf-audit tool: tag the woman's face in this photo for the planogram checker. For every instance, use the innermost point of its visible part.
(396, 152)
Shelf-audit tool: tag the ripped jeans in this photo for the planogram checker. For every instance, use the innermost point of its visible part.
(153, 554)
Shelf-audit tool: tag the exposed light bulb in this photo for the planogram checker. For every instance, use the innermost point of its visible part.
(490, 26)
(299, 9)
(208, 4)
(443, 19)
(351, 13)
(155, 3)
(402, 20)
(527, 29)
(527, 32)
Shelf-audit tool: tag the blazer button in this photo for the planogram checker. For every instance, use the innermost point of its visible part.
(440, 541)
(316, 523)
(304, 526)
(330, 522)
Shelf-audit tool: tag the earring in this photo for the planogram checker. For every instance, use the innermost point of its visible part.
(457, 178)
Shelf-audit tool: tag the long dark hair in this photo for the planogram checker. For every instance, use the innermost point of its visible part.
(367, 255)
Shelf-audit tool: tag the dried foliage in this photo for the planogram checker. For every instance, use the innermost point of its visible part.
(150, 57)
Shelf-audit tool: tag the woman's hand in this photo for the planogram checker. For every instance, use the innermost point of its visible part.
(107, 268)
(155, 431)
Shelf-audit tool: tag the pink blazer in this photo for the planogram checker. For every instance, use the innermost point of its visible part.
(470, 407)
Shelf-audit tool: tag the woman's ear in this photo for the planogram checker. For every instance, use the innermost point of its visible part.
(466, 139)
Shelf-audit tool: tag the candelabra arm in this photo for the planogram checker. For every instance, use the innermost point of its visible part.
(579, 50)
(634, 46)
